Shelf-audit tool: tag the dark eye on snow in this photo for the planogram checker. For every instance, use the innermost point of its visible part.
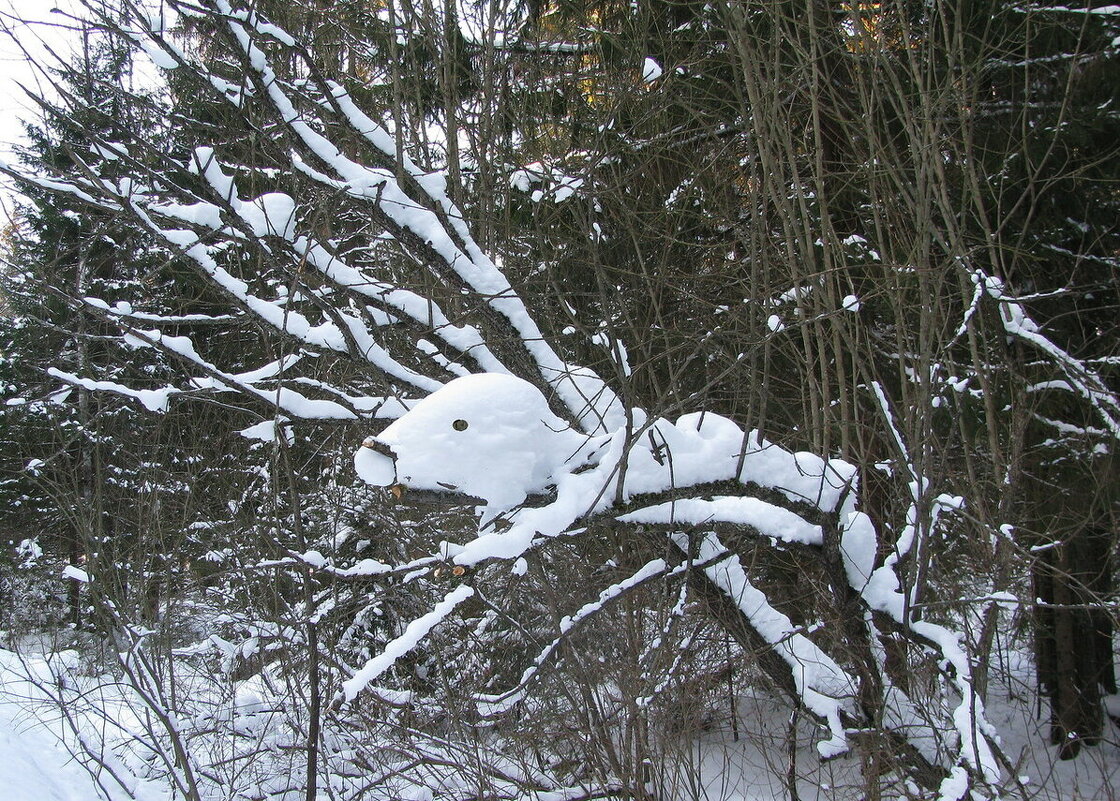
(460, 425)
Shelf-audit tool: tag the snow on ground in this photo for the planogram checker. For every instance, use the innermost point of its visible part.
(34, 763)
(756, 766)
(713, 765)
(1024, 732)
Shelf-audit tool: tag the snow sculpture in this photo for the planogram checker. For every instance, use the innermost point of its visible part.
(493, 436)
(488, 435)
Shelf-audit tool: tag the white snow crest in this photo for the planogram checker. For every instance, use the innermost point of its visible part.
(799, 476)
(489, 435)
(271, 214)
(494, 437)
(154, 400)
(858, 547)
(822, 685)
(491, 705)
(75, 574)
(1080, 375)
(883, 593)
(954, 786)
(416, 631)
(769, 520)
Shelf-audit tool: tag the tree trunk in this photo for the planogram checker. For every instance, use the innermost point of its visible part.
(1074, 637)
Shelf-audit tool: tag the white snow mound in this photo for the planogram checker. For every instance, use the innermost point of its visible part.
(489, 435)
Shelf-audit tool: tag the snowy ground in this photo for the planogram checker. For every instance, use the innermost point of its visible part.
(37, 765)
(755, 766)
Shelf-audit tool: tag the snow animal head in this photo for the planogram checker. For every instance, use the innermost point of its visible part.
(489, 435)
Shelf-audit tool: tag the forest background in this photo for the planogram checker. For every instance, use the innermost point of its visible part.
(880, 236)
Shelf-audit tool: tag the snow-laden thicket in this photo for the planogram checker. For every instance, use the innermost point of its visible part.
(408, 330)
